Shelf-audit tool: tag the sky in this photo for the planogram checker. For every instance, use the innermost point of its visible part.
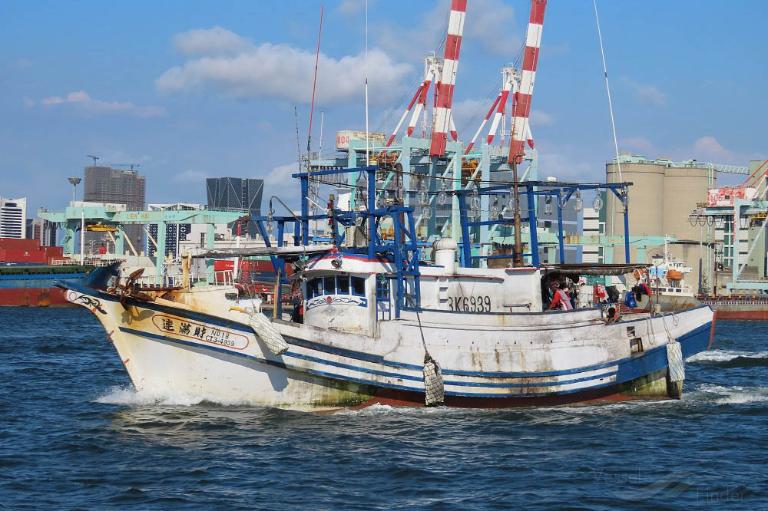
(193, 89)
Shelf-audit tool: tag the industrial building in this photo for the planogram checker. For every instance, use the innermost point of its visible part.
(105, 184)
(13, 218)
(664, 196)
(734, 217)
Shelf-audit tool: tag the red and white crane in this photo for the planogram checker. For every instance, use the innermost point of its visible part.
(510, 83)
(441, 116)
(521, 109)
(441, 72)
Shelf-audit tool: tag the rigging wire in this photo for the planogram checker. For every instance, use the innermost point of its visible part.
(365, 69)
(314, 83)
(608, 90)
(610, 110)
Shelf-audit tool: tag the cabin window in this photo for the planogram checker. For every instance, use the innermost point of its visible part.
(231, 296)
(342, 285)
(315, 288)
(329, 285)
(382, 288)
(358, 286)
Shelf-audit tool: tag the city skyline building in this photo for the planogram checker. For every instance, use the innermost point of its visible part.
(43, 231)
(116, 186)
(13, 218)
(234, 193)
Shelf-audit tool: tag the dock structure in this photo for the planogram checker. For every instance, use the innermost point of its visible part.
(113, 217)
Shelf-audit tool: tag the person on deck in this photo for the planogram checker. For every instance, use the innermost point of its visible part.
(560, 298)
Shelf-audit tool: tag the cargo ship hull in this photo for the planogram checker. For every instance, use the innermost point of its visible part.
(738, 308)
(33, 297)
(33, 286)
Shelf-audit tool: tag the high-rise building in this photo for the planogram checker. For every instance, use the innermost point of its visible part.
(13, 218)
(234, 193)
(41, 230)
(116, 186)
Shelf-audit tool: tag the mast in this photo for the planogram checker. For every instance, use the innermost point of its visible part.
(521, 112)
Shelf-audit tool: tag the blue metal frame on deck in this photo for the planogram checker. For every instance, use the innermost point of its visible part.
(403, 249)
(561, 192)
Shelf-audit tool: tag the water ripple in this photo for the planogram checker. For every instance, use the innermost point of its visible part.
(74, 434)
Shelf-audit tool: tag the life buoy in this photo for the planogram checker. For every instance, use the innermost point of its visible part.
(611, 312)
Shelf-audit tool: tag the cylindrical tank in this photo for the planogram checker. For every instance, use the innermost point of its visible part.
(445, 253)
(646, 202)
(684, 187)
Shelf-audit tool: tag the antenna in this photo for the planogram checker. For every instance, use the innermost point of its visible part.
(94, 158)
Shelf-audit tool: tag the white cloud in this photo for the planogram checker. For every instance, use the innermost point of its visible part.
(488, 23)
(350, 7)
(638, 144)
(210, 41)
(468, 114)
(539, 118)
(565, 168)
(86, 104)
(646, 93)
(279, 71)
(279, 182)
(492, 24)
(568, 162)
(709, 149)
(704, 149)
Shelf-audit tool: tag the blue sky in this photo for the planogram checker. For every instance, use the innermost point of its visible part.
(195, 89)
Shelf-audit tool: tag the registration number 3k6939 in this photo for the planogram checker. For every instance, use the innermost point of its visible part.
(470, 303)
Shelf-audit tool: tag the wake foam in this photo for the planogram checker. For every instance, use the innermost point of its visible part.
(735, 395)
(131, 397)
(727, 355)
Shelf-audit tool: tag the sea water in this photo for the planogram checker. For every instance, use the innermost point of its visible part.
(75, 435)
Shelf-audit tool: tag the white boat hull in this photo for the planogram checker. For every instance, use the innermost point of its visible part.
(501, 360)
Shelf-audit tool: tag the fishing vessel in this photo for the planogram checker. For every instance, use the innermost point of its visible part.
(387, 317)
(665, 279)
(380, 325)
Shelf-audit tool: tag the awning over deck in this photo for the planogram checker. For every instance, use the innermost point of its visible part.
(594, 269)
(286, 251)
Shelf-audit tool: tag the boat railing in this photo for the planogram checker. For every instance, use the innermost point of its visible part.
(175, 279)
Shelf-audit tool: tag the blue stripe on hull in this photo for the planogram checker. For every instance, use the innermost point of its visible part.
(688, 348)
(628, 369)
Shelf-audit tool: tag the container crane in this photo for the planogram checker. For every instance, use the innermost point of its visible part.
(441, 72)
(521, 109)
